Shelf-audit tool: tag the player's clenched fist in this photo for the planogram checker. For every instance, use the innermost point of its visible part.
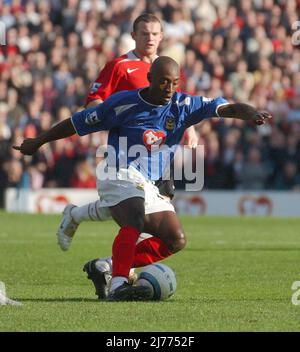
(29, 146)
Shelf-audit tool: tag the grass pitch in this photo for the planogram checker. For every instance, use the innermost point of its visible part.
(234, 275)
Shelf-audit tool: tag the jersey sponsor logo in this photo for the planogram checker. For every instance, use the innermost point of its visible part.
(92, 118)
(153, 139)
(95, 87)
(131, 70)
(170, 123)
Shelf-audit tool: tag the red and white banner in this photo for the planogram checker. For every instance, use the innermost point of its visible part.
(47, 200)
(222, 203)
(230, 203)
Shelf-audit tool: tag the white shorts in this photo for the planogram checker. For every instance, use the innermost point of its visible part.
(129, 183)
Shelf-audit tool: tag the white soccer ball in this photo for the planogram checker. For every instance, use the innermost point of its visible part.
(160, 278)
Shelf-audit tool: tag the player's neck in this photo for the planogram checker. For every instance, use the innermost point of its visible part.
(149, 97)
(147, 58)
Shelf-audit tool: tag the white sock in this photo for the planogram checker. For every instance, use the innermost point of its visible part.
(90, 212)
(117, 281)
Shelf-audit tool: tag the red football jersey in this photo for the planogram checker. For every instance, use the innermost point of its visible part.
(127, 72)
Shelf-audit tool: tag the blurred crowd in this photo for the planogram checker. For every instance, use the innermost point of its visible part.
(242, 50)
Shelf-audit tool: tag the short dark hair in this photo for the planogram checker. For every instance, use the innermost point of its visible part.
(145, 17)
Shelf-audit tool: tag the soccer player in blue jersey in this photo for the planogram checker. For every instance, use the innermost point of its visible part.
(134, 201)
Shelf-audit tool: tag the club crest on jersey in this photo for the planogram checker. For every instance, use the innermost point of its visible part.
(153, 139)
(170, 123)
(92, 118)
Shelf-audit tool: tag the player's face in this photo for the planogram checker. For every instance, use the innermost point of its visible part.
(164, 84)
(147, 38)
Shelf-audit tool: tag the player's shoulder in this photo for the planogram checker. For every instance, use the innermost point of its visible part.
(119, 59)
(122, 101)
(114, 62)
(185, 99)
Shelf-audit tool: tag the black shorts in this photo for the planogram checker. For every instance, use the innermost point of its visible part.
(166, 187)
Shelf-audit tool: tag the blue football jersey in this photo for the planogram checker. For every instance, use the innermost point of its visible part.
(142, 134)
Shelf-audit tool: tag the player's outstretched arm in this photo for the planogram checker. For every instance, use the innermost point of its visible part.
(61, 130)
(244, 112)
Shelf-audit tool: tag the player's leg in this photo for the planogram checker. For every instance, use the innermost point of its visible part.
(162, 222)
(73, 216)
(129, 215)
(166, 188)
(168, 238)
(166, 226)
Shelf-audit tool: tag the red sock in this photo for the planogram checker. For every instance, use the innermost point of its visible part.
(150, 251)
(123, 250)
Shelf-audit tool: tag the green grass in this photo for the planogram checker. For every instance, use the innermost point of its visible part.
(234, 275)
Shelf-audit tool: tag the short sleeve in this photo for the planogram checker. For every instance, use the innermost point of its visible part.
(201, 108)
(99, 118)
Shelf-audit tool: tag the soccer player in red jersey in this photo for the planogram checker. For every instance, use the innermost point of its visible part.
(129, 71)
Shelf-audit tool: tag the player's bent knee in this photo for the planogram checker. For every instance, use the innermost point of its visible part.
(178, 242)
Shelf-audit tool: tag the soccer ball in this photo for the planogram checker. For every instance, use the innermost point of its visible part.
(160, 278)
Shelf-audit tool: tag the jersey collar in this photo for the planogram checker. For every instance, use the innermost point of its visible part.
(143, 100)
(131, 56)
